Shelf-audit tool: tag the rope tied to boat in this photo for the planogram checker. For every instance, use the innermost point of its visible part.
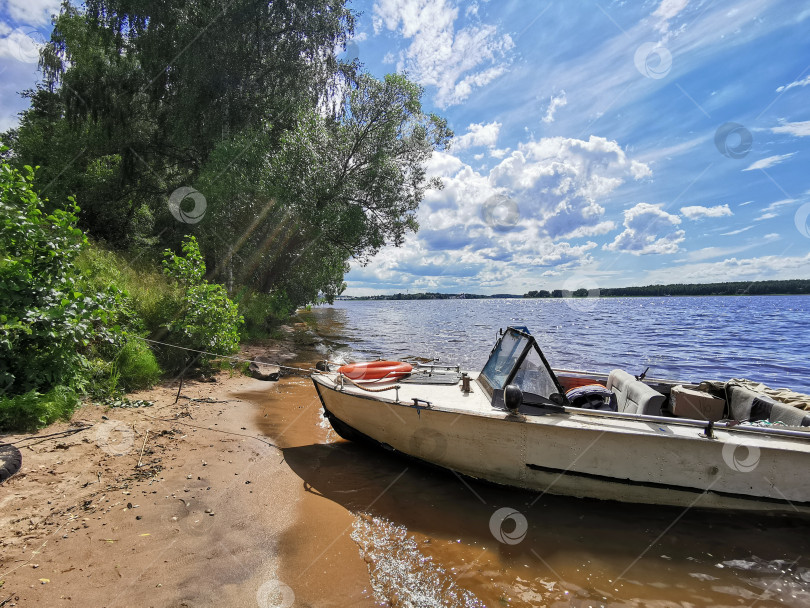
(307, 370)
(343, 378)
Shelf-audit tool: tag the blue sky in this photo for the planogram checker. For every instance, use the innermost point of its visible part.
(597, 144)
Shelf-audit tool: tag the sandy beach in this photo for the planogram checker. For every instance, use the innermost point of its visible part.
(213, 516)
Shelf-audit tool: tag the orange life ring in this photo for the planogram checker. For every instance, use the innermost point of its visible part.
(376, 370)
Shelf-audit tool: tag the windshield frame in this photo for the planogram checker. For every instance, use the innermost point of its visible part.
(488, 383)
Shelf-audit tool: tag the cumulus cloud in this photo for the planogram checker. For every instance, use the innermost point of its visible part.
(21, 44)
(695, 212)
(600, 228)
(797, 129)
(558, 181)
(478, 134)
(770, 161)
(454, 61)
(549, 190)
(33, 12)
(648, 229)
(553, 105)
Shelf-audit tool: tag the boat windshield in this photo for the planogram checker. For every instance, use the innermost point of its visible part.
(504, 357)
(533, 377)
(516, 359)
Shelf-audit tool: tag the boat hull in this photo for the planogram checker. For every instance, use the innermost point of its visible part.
(598, 458)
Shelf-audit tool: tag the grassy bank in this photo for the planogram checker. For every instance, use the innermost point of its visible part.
(74, 315)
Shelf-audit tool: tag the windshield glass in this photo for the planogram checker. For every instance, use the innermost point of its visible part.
(503, 359)
(533, 377)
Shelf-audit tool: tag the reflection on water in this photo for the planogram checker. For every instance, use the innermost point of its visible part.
(432, 538)
(766, 338)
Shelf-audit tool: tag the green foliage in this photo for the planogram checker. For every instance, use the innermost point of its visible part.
(122, 118)
(47, 323)
(286, 220)
(304, 162)
(32, 410)
(208, 320)
(137, 366)
(262, 313)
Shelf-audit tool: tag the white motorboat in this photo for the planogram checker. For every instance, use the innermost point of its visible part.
(612, 437)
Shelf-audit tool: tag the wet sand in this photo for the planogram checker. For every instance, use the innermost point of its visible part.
(313, 520)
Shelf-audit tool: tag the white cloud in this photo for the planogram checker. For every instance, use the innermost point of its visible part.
(454, 61)
(694, 212)
(740, 231)
(553, 185)
(796, 83)
(643, 224)
(769, 212)
(32, 12)
(21, 44)
(799, 129)
(707, 253)
(389, 58)
(770, 161)
(771, 267)
(780, 203)
(668, 10)
(553, 105)
(478, 134)
(600, 228)
(559, 181)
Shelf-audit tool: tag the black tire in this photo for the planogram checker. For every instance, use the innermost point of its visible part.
(10, 461)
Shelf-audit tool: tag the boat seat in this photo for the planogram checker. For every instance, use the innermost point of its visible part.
(747, 405)
(633, 396)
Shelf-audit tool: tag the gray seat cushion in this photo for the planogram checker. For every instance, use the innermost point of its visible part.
(747, 405)
(634, 396)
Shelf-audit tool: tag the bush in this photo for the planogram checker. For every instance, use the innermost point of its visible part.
(32, 410)
(206, 320)
(47, 322)
(263, 313)
(137, 366)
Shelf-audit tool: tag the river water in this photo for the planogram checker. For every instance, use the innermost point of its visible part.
(430, 538)
(766, 338)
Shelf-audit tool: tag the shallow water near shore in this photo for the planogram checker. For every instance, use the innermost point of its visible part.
(430, 538)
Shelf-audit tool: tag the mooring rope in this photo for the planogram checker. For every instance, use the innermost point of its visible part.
(204, 352)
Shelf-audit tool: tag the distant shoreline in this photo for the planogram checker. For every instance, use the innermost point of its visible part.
(791, 287)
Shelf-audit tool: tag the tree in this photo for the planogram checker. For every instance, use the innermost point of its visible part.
(136, 96)
(303, 162)
(334, 189)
